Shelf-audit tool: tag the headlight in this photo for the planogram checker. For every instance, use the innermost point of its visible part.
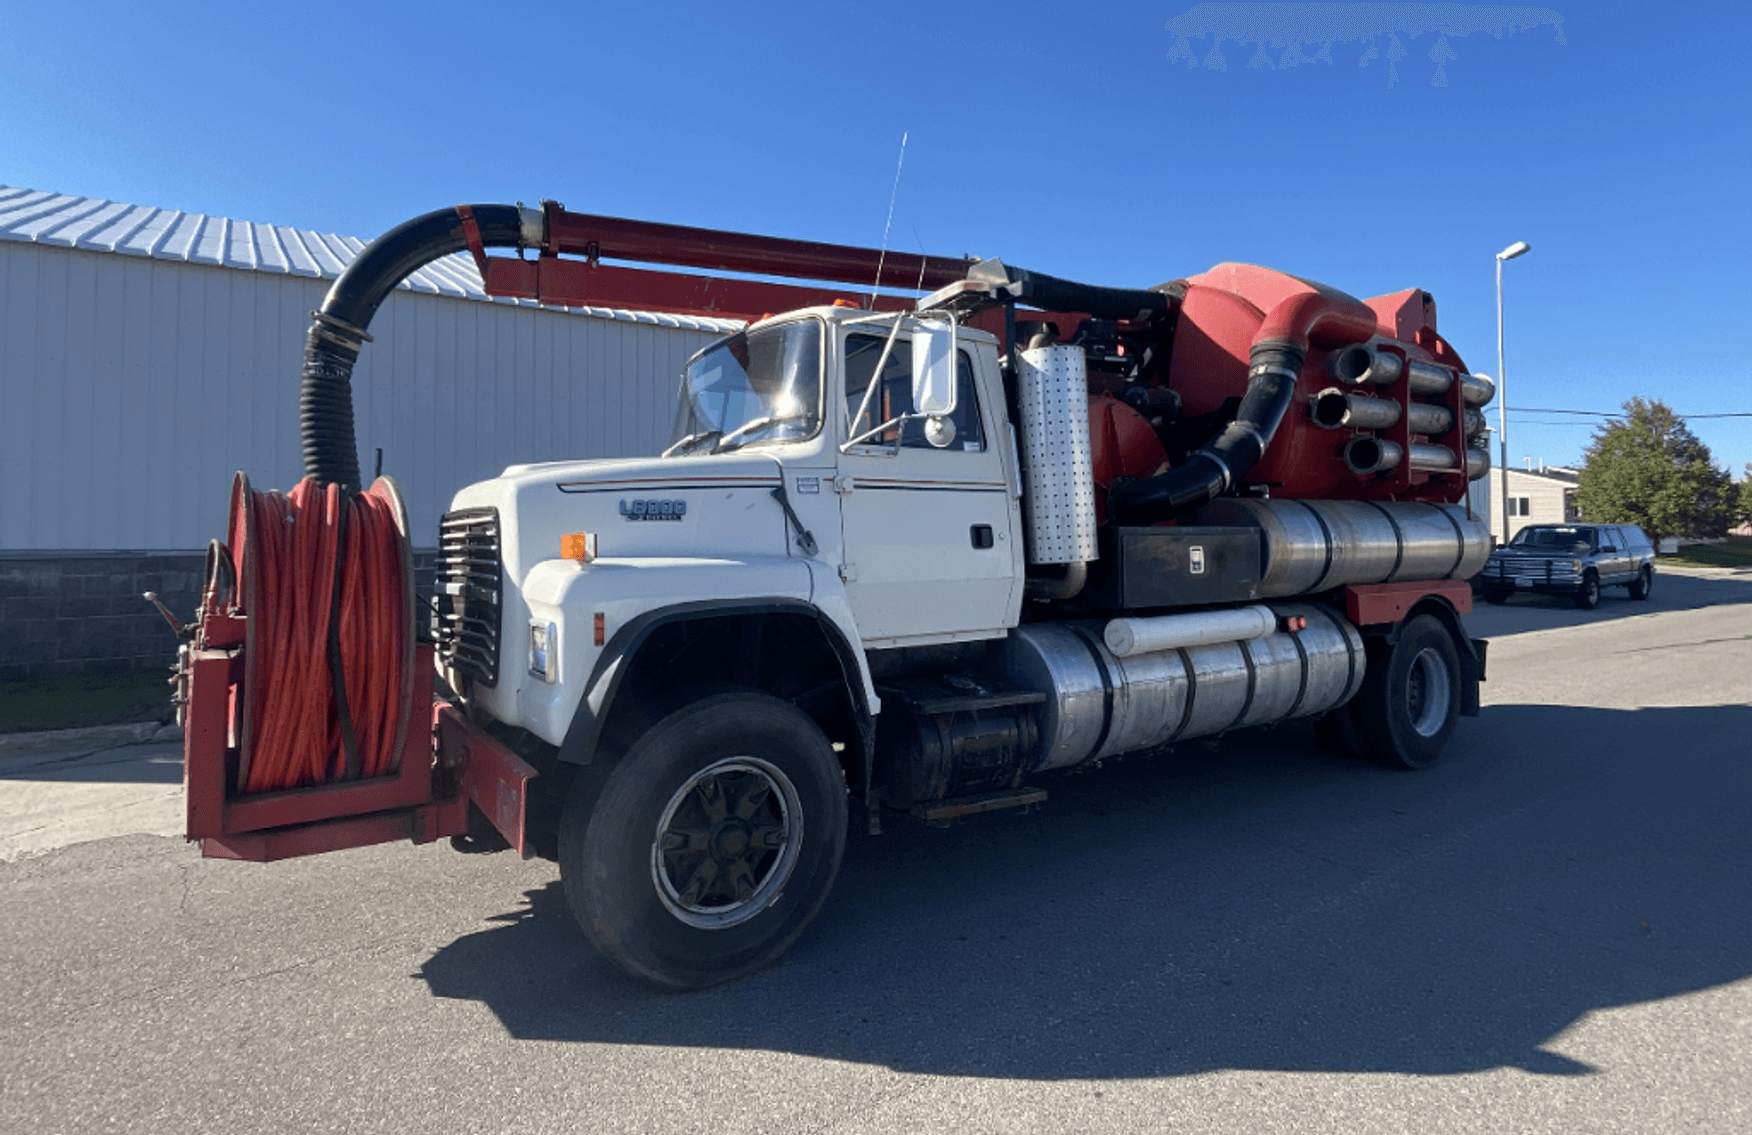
(544, 648)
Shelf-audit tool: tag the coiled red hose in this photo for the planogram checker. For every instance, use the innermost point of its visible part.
(323, 580)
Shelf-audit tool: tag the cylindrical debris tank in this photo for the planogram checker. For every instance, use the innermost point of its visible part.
(1100, 705)
(1314, 546)
(1058, 501)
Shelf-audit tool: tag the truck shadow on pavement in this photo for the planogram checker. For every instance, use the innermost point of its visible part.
(1263, 906)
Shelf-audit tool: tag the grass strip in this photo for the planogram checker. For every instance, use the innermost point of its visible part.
(1737, 552)
(73, 701)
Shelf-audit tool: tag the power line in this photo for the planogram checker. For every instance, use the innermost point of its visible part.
(1604, 414)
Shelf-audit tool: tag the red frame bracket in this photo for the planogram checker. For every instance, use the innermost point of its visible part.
(493, 777)
(1375, 604)
(471, 232)
(447, 762)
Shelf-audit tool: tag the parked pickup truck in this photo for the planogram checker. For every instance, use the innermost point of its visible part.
(1572, 559)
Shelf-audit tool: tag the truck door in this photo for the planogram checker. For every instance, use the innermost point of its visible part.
(1621, 563)
(931, 551)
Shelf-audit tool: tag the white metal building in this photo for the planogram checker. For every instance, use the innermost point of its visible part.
(147, 354)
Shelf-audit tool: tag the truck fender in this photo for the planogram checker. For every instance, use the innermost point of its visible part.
(617, 657)
(1471, 651)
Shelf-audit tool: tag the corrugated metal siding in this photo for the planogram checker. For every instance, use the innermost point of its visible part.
(132, 387)
(94, 225)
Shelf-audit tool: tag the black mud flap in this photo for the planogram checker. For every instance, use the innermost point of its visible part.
(1471, 674)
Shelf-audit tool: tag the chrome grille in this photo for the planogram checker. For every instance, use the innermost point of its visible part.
(1538, 566)
(1525, 565)
(469, 585)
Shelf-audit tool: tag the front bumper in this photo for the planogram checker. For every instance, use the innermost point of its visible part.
(1553, 577)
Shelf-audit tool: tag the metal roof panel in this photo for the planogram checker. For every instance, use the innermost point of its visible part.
(120, 229)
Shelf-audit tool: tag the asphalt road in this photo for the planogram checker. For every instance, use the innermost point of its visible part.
(1550, 932)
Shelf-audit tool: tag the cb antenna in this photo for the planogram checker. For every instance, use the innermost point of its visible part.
(892, 194)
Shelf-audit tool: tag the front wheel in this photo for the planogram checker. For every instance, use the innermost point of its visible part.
(1409, 705)
(711, 845)
(1589, 596)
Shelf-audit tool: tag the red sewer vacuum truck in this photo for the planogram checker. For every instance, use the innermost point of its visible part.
(899, 555)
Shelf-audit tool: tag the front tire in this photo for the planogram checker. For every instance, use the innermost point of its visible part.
(711, 845)
(1589, 596)
(1409, 705)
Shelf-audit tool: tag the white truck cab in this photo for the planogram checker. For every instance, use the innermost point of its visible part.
(789, 475)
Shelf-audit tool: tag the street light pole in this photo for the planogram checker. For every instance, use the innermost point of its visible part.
(1509, 253)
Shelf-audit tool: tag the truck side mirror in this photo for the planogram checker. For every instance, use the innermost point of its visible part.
(933, 371)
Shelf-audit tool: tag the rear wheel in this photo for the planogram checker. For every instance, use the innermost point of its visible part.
(1589, 596)
(1410, 702)
(711, 845)
(1643, 583)
(1495, 595)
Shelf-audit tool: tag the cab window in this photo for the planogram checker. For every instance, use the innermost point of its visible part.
(893, 396)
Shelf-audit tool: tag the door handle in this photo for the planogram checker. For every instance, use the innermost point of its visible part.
(982, 535)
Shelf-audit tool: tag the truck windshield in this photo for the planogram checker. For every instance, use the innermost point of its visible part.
(756, 387)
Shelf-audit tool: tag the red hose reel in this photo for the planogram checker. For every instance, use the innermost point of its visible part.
(309, 720)
(326, 581)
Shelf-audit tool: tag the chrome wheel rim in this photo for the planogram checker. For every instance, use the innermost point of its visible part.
(727, 843)
(1428, 692)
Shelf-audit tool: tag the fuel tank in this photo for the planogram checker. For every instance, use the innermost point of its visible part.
(1098, 704)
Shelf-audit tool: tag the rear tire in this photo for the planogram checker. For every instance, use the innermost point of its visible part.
(712, 843)
(1643, 583)
(1496, 595)
(1410, 702)
(1589, 596)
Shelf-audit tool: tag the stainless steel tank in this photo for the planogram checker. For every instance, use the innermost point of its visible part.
(1314, 546)
(1099, 705)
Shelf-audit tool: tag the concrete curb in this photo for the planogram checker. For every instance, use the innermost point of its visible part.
(91, 737)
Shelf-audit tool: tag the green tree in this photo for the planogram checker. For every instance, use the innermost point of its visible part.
(1746, 495)
(1649, 469)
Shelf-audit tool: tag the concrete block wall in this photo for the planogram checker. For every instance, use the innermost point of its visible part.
(68, 613)
(83, 612)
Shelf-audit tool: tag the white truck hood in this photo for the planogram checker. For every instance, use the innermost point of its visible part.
(638, 508)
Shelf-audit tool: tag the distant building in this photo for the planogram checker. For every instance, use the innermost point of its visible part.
(1543, 496)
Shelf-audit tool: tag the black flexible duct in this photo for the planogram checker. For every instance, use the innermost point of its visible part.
(1049, 293)
(1226, 458)
(337, 332)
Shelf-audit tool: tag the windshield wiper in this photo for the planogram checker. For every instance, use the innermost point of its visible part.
(689, 440)
(757, 423)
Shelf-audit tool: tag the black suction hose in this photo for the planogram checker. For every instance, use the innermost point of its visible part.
(337, 332)
(1226, 458)
(1049, 293)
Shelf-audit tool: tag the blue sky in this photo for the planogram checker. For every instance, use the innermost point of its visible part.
(1059, 137)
